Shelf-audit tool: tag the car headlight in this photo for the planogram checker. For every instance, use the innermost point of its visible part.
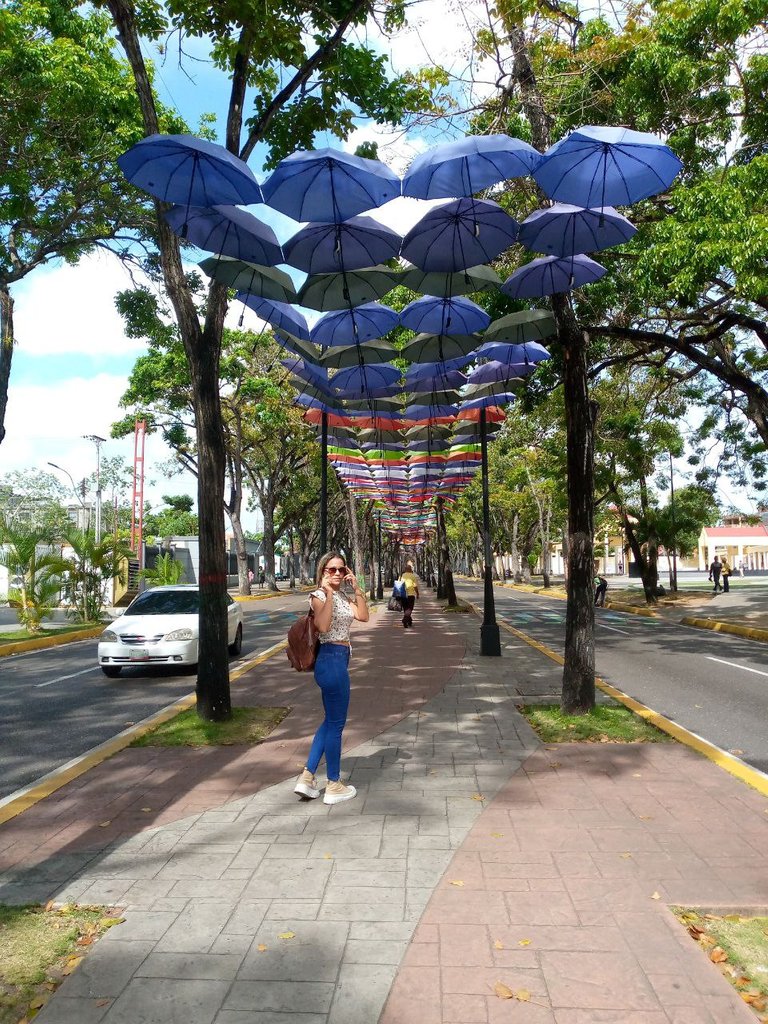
(180, 634)
(109, 637)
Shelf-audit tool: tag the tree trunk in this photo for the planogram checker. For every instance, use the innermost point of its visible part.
(6, 350)
(291, 572)
(450, 589)
(234, 509)
(578, 695)
(268, 513)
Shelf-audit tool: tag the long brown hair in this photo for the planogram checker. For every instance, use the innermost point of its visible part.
(324, 560)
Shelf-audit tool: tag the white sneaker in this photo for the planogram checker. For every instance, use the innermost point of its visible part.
(307, 785)
(337, 792)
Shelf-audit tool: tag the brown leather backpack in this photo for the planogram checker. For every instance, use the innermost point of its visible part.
(303, 643)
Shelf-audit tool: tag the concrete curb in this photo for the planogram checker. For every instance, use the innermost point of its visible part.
(728, 762)
(632, 609)
(747, 632)
(51, 641)
(20, 800)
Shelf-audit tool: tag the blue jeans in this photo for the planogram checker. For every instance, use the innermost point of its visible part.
(332, 676)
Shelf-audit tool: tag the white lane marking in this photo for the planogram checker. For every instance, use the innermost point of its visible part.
(732, 664)
(602, 625)
(61, 679)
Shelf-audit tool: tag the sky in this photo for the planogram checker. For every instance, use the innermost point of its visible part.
(72, 359)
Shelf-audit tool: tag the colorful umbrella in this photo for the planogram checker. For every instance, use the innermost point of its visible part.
(329, 185)
(459, 234)
(599, 166)
(550, 274)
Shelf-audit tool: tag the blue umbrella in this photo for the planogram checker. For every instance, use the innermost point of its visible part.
(329, 185)
(444, 316)
(494, 371)
(602, 166)
(469, 165)
(459, 235)
(439, 374)
(362, 392)
(315, 375)
(347, 326)
(266, 282)
(191, 171)
(227, 230)
(279, 314)
(379, 376)
(303, 349)
(567, 230)
(351, 245)
(504, 352)
(552, 274)
(483, 403)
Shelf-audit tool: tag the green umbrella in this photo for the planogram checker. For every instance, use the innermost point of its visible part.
(461, 282)
(517, 328)
(379, 436)
(494, 388)
(305, 349)
(353, 288)
(266, 282)
(425, 432)
(379, 351)
(431, 348)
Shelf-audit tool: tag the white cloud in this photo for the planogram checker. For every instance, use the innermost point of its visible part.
(64, 309)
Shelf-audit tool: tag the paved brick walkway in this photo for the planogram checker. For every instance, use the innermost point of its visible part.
(471, 856)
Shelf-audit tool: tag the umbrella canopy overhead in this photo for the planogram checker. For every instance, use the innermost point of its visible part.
(264, 282)
(527, 325)
(364, 323)
(300, 348)
(422, 375)
(444, 316)
(494, 371)
(279, 314)
(604, 166)
(459, 234)
(552, 274)
(564, 230)
(227, 230)
(362, 377)
(350, 245)
(460, 282)
(468, 165)
(190, 171)
(504, 352)
(329, 185)
(348, 288)
(355, 355)
(430, 348)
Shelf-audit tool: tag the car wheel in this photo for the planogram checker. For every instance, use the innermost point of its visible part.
(237, 646)
(111, 671)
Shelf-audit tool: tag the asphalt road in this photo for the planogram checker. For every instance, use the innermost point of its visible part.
(56, 704)
(712, 684)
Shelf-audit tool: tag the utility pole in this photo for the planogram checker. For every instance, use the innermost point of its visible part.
(98, 441)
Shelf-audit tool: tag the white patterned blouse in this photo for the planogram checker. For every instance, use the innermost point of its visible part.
(341, 618)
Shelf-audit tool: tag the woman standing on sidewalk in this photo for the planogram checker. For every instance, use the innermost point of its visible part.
(411, 593)
(333, 612)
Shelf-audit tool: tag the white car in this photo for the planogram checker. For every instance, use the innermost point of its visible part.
(161, 627)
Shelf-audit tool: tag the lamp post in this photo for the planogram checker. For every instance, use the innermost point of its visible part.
(379, 580)
(490, 637)
(674, 526)
(74, 490)
(98, 441)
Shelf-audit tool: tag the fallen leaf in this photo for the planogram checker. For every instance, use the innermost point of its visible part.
(146, 809)
(655, 895)
(327, 856)
(261, 947)
(37, 1004)
(554, 764)
(103, 1002)
(85, 940)
(103, 824)
(50, 905)
(736, 750)
(110, 922)
(524, 942)
(523, 995)
(130, 723)
(695, 932)
(646, 817)
(626, 856)
(457, 882)
(718, 955)
(478, 796)
(636, 775)
(498, 944)
(51, 986)
(71, 964)
(503, 991)
(287, 935)
(732, 917)
(497, 835)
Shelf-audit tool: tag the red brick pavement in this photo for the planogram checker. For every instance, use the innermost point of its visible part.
(145, 787)
(563, 886)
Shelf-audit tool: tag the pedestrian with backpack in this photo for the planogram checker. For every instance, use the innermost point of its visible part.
(333, 613)
(409, 592)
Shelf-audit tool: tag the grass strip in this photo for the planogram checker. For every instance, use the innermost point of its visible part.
(41, 946)
(187, 729)
(738, 945)
(605, 723)
(17, 635)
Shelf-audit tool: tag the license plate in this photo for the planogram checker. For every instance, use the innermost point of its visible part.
(139, 654)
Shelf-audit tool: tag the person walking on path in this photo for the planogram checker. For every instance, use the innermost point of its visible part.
(726, 573)
(411, 594)
(714, 574)
(333, 614)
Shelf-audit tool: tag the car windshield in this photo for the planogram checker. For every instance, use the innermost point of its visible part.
(166, 602)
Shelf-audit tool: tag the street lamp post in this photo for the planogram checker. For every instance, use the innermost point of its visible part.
(490, 637)
(674, 526)
(74, 490)
(98, 441)
(379, 580)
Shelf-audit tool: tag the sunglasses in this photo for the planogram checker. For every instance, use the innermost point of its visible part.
(335, 568)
